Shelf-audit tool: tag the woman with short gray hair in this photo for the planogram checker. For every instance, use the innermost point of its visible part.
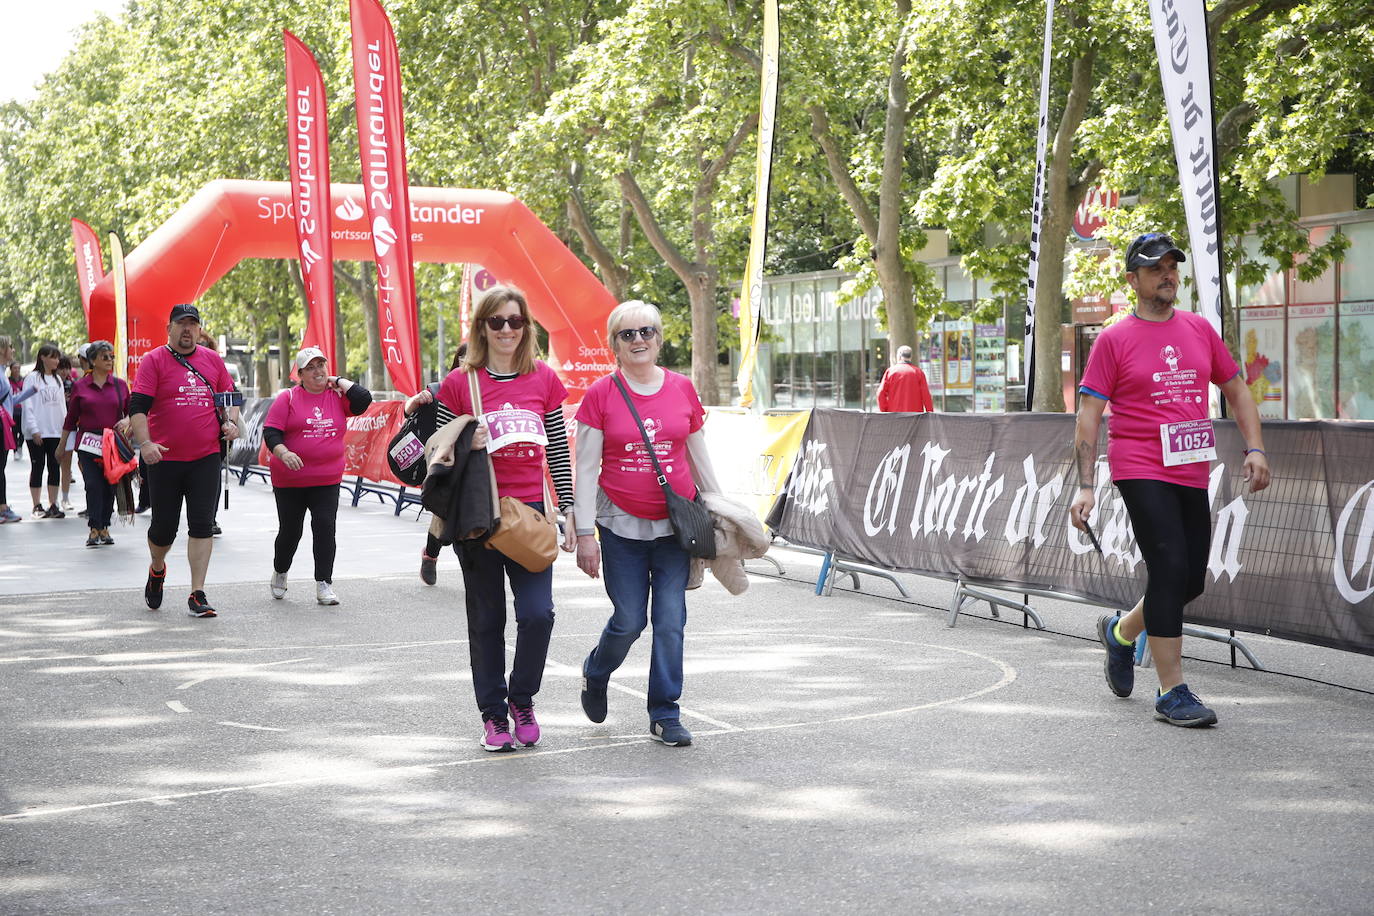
(619, 502)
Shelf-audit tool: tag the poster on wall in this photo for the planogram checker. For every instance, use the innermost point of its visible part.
(1262, 359)
(932, 358)
(1355, 399)
(990, 368)
(958, 344)
(1311, 362)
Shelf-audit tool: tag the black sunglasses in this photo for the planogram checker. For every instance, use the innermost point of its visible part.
(645, 333)
(497, 322)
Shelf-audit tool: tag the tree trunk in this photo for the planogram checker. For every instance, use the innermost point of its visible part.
(893, 275)
(705, 339)
(1054, 232)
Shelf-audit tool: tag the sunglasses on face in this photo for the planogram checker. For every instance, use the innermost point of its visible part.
(497, 322)
(645, 333)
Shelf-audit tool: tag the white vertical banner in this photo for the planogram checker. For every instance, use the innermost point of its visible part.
(1185, 70)
(1038, 202)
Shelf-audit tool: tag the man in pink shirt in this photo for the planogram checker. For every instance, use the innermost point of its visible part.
(904, 387)
(1154, 367)
(183, 403)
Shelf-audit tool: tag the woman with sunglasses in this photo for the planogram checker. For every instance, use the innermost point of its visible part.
(523, 428)
(98, 401)
(619, 500)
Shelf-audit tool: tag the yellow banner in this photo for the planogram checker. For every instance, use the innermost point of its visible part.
(752, 455)
(751, 292)
(121, 341)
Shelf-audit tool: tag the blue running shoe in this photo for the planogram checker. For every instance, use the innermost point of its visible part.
(670, 732)
(593, 696)
(1120, 664)
(1181, 706)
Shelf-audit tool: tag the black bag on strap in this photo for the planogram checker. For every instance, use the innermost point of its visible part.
(689, 517)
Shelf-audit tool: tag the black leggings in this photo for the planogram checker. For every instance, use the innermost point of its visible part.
(1173, 528)
(292, 503)
(40, 455)
(169, 482)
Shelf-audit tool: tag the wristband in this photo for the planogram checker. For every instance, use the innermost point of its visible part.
(1249, 450)
(1086, 486)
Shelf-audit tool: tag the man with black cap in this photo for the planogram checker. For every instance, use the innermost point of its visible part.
(1154, 367)
(183, 407)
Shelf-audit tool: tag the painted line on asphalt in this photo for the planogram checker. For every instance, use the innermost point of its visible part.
(570, 671)
(256, 728)
(238, 671)
(177, 706)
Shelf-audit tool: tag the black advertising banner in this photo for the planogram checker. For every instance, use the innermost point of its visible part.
(985, 498)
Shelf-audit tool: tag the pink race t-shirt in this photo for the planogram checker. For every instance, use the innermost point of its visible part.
(514, 411)
(670, 415)
(1152, 373)
(182, 418)
(313, 426)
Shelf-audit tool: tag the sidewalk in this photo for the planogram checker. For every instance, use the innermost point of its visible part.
(851, 752)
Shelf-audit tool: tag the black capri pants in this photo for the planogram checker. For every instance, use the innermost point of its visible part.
(292, 504)
(41, 455)
(1173, 528)
(171, 482)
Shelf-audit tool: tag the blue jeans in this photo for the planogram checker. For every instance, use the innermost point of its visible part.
(632, 570)
(484, 581)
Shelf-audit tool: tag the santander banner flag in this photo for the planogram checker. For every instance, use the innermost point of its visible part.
(381, 144)
(90, 269)
(307, 144)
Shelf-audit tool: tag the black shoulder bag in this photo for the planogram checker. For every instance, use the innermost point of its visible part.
(690, 519)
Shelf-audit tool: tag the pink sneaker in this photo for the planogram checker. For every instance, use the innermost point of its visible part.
(526, 728)
(496, 735)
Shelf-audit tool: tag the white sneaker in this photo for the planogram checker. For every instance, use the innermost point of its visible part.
(66, 504)
(324, 594)
(278, 585)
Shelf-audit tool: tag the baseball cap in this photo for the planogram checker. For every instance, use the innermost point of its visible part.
(184, 310)
(304, 357)
(1149, 248)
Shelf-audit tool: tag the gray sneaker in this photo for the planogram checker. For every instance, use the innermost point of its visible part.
(324, 594)
(278, 585)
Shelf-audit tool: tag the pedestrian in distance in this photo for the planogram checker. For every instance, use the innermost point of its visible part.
(1154, 367)
(183, 412)
(433, 415)
(904, 388)
(99, 401)
(304, 433)
(623, 533)
(44, 414)
(68, 374)
(521, 425)
(11, 433)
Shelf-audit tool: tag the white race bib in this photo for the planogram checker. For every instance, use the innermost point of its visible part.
(91, 444)
(1187, 442)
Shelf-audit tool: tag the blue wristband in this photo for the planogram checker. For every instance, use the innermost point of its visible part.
(1260, 450)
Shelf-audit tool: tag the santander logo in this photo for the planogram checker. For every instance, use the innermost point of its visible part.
(349, 211)
(383, 235)
(309, 256)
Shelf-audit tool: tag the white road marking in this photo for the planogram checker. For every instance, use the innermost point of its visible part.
(176, 706)
(258, 728)
(238, 670)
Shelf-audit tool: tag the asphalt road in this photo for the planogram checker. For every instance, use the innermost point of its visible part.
(852, 752)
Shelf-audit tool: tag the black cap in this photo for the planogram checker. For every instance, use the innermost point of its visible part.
(1149, 248)
(185, 310)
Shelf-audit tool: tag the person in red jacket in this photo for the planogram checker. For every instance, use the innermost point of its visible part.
(904, 388)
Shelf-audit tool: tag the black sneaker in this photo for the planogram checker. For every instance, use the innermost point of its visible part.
(670, 732)
(106, 539)
(593, 698)
(93, 540)
(152, 592)
(198, 605)
(428, 568)
(1119, 666)
(54, 512)
(82, 514)
(216, 531)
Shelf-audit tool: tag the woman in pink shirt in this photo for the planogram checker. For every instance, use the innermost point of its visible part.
(620, 501)
(522, 427)
(304, 432)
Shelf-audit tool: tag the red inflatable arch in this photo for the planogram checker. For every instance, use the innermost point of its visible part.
(228, 221)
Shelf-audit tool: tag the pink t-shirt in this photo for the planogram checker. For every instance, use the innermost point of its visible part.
(182, 418)
(1152, 373)
(670, 415)
(514, 411)
(313, 426)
